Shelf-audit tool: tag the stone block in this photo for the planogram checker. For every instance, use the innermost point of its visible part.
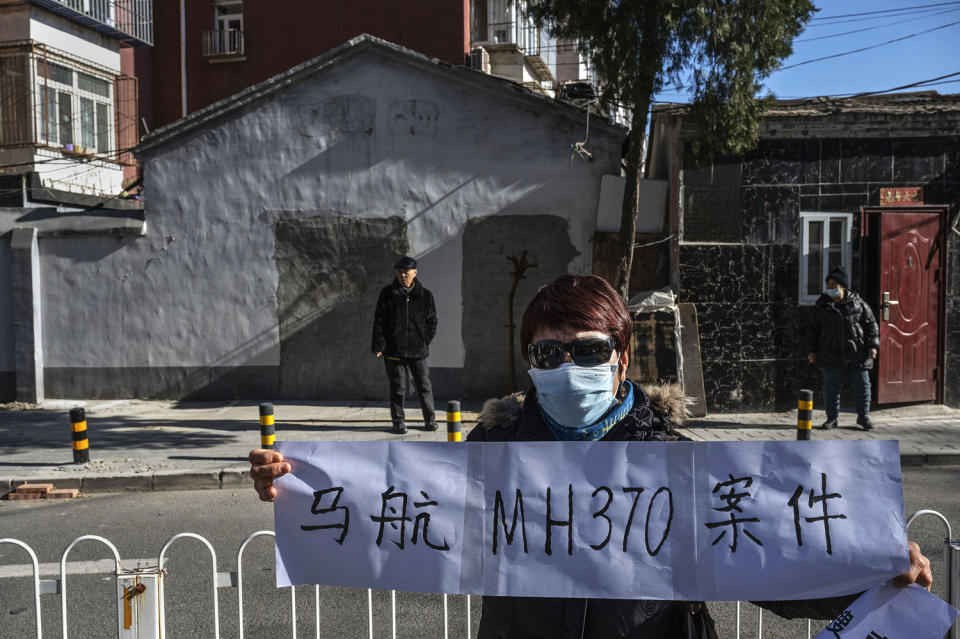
(186, 480)
(235, 478)
(943, 459)
(912, 459)
(133, 482)
(920, 161)
(867, 160)
(773, 162)
(711, 273)
(711, 214)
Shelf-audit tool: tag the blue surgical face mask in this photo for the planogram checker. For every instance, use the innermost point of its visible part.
(575, 396)
(832, 292)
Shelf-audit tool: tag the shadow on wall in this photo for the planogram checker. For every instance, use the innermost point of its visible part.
(488, 243)
(331, 270)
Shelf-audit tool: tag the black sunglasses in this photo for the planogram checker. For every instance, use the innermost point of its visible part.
(592, 351)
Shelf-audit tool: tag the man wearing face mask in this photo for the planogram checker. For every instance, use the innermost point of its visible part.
(842, 337)
(404, 324)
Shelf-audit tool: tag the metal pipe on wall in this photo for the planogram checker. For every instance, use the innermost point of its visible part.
(183, 59)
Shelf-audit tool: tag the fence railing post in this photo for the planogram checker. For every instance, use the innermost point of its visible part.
(36, 580)
(951, 568)
(63, 574)
(951, 565)
(213, 562)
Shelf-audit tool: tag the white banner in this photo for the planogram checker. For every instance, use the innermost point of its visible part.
(888, 612)
(674, 520)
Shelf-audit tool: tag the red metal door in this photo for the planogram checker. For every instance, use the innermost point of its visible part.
(909, 308)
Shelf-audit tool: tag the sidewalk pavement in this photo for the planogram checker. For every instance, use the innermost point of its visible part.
(163, 445)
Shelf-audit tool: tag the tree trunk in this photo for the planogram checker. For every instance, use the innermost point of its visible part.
(628, 214)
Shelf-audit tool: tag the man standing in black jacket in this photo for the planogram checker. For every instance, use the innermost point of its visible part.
(842, 337)
(404, 324)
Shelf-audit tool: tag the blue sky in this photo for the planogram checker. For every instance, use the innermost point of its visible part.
(921, 57)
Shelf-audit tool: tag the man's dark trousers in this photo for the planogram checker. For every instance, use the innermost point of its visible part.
(421, 379)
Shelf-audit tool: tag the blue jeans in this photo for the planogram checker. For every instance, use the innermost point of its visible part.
(859, 381)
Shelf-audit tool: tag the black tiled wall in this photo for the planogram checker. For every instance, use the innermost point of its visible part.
(739, 260)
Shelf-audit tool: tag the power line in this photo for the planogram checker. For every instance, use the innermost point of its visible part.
(939, 80)
(905, 86)
(899, 10)
(880, 20)
(879, 26)
(867, 48)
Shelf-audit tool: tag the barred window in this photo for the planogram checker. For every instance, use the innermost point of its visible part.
(76, 108)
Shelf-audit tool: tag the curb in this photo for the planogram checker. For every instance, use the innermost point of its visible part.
(237, 477)
(229, 478)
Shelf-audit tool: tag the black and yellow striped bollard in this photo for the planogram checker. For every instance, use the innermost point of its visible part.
(268, 431)
(453, 421)
(78, 431)
(804, 414)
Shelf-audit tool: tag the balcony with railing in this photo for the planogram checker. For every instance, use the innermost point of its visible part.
(223, 43)
(130, 21)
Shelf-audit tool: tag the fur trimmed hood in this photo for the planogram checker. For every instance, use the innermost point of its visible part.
(666, 399)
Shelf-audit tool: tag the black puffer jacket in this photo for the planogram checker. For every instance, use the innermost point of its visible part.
(655, 412)
(404, 323)
(841, 334)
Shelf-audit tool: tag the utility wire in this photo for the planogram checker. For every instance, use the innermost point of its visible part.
(885, 11)
(843, 96)
(867, 48)
(879, 26)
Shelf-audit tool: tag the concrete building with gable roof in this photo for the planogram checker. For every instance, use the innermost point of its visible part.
(273, 218)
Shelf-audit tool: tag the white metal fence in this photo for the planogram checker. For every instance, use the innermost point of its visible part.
(141, 612)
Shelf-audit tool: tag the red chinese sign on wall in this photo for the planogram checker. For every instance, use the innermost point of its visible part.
(901, 196)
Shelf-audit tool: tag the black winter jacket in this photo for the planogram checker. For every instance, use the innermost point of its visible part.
(655, 410)
(404, 323)
(841, 334)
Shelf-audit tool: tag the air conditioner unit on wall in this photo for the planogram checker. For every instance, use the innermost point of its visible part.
(480, 59)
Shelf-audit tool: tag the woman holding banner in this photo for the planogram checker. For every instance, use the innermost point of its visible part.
(576, 335)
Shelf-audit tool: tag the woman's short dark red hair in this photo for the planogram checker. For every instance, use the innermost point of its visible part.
(581, 303)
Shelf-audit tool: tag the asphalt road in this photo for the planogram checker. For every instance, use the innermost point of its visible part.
(140, 523)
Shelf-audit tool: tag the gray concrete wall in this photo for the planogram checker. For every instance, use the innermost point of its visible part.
(7, 379)
(488, 243)
(192, 307)
(331, 273)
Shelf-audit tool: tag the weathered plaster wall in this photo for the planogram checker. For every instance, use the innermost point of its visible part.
(331, 273)
(488, 243)
(739, 255)
(192, 307)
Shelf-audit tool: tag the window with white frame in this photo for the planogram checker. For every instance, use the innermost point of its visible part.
(825, 243)
(76, 108)
(228, 15)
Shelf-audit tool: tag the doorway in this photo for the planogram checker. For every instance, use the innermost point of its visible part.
(903, 277)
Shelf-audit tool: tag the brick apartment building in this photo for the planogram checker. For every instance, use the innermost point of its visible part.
(206, 51)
